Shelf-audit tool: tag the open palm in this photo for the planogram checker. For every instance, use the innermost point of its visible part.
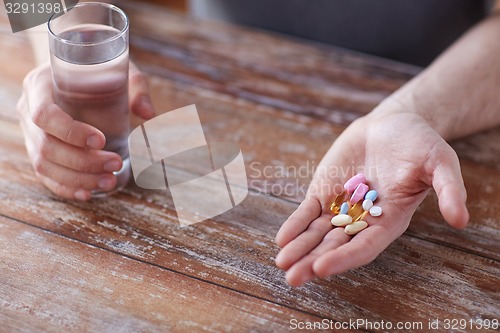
(402, 158)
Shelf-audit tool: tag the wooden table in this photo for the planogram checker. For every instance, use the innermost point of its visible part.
(124, 265)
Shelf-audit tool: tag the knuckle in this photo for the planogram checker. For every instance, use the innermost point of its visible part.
(59, 190)
(81, 180)
(44, 150)
(39, 115)
(83, 165)
(39, 165)
(56, 188)
(138, 78)
(69, 133)
(28, 79)
(45, 147)
(453, 155)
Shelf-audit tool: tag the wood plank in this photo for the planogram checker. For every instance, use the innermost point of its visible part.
(272, 143)
(482, 234)
(289, 108)
(270, 137)
(328, 83)
(177, 5)
(319, 81)
(236, 250)
(231, 62)
(178, 53)
(51, 283)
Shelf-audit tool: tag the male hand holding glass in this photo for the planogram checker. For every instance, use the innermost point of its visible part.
(76, 136)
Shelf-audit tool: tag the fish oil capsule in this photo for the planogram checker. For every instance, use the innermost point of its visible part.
(355, 211)
(337, 202)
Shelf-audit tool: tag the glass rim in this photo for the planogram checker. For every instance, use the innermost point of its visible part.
(88, 4)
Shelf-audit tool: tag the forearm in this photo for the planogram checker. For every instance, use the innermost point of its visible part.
(459, 93)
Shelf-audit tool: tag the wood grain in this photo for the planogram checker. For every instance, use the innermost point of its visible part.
(283, 101)
(177, 5)
(236, 250)
(65, 285)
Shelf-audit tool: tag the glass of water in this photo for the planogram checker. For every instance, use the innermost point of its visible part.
(89, 59)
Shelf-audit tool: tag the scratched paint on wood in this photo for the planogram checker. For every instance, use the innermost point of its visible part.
(284, 109)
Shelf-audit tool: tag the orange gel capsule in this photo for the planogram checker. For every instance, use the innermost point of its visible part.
(361, 217)
(339, 200)
(356, 211)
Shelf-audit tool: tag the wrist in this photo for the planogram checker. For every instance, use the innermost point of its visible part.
(408, 99)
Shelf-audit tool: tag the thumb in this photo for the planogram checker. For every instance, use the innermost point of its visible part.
(140, 101)
(449, 186)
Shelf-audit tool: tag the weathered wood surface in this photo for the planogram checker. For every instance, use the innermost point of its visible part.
(66, 285)
(284, 102)
(236, 251)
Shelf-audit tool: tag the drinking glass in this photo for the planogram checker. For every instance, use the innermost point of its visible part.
(89, 59)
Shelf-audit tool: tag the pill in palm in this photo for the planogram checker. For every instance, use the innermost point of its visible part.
(367, 204)
(341, 220)
(355, 227)
(339, 199)
(359, 193)
(371, 195)
(355, 211)
(375, 211)
(352, 183)
(344, 208)
(361, 217)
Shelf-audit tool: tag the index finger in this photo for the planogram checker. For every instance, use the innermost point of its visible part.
(361, 250)
(308, 211)
(52, 119)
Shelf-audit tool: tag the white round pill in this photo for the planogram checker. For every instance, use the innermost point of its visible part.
(367, 204)
(375, 211)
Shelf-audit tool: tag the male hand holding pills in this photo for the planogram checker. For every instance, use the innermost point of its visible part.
(401, 148)
(402, 158)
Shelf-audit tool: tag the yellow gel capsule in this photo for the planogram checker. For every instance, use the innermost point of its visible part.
(361, 217)
(339, 200)
(356, 211)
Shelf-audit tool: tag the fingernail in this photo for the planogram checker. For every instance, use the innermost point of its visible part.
(278, 260)
(94, 142)
(112, 166)
(105, 183)
(81, 195)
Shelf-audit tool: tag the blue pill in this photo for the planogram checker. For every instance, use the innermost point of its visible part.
(371, 195)
(344, 208)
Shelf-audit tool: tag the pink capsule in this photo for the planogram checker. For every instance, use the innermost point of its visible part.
(359, 193)
(352, 183)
